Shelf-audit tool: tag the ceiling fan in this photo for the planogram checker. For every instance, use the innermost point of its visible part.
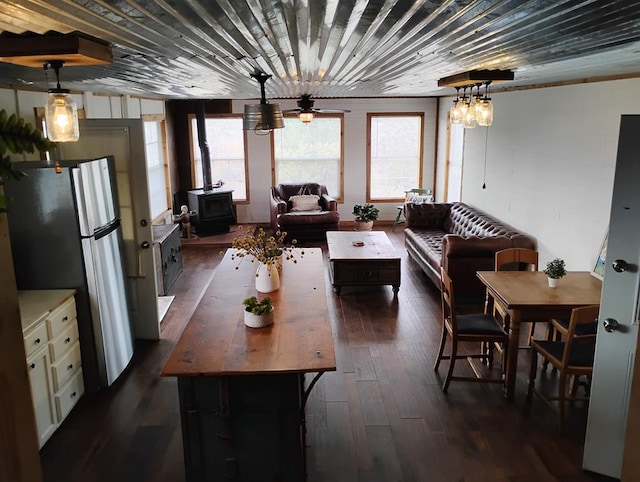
(306, 111)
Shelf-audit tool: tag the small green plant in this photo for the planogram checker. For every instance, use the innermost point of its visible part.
(555, 268)
(365, 212)
(17, 137)
(256, 307)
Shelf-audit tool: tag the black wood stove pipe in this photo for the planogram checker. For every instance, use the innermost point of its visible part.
(204, 147)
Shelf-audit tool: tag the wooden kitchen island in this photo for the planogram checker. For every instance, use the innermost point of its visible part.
(242, 390)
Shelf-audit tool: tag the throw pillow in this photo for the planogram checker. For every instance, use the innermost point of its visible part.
(306, 202)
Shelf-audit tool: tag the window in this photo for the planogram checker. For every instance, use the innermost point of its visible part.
(157, 174)
(394, 157)
(310, 153)
(227, 154)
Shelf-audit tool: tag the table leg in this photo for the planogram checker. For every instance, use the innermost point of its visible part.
(512, 359)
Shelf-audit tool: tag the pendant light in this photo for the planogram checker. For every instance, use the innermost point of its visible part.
(262, 118)
(61, 112)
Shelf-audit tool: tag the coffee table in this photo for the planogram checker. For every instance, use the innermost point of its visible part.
(375, 262)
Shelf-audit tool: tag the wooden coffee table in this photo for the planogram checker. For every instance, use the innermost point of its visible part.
(376, 262)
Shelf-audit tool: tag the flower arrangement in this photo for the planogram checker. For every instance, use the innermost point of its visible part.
(555, 268)
(265, 250)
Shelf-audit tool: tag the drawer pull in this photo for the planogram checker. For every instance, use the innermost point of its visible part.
(70, 366)
(32, 366)
(37, 342)
(73, 395)
(67, 340)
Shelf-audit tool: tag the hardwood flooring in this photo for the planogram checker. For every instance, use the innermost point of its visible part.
(382, 416)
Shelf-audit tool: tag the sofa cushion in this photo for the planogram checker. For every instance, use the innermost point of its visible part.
(305, 202)
(308, 217)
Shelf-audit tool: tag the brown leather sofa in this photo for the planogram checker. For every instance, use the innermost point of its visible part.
(303, 225)
(461, 239)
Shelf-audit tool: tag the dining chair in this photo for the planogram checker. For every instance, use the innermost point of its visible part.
(409, 196)
(480, 328)
(571, 357)
(515, 259)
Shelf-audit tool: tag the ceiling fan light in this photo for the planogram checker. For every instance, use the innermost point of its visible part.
(306, 117)
(61, 114)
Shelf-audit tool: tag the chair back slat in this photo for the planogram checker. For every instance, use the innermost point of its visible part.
(516, 259)
(448, 303)
(579, 316)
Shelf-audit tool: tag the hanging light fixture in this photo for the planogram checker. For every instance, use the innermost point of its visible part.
(262, 118)
(61, 112)
(475, 110)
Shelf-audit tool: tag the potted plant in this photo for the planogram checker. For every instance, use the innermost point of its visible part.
(17, 137)
(258, 314)
(555, 270)
(365, 215)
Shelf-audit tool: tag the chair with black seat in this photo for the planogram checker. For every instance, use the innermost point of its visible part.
(421, 195)
(481, 328)
(571, 357)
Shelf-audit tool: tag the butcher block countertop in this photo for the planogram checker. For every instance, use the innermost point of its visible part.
(216, 341)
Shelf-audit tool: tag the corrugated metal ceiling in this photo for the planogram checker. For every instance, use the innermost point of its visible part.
(327, 48)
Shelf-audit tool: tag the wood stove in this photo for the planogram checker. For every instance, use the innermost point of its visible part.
(214, 208)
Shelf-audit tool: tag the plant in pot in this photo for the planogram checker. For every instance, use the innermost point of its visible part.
(555, 270)
(365, 215)
(257, 314)
(17, 137)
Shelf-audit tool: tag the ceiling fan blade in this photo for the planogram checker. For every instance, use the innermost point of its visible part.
(331, 111)
(291, 110)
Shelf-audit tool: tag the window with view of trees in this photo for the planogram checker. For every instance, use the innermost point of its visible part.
(227, 153)
(394, 156)
(310, 153)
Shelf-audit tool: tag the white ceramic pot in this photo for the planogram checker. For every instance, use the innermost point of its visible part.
(258, 321)
(267, 278)
(553, 282)
(362, 225)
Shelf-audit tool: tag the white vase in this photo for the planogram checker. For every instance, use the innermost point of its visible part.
(267, 278)
(258, 321)
(553, 282)
(362, 225)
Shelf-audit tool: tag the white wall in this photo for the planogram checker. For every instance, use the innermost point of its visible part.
(355, 154)
(550, 163)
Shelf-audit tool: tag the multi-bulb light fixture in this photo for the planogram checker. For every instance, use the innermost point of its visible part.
(473, 109)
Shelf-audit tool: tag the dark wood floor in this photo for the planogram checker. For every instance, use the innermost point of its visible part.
(381, 417)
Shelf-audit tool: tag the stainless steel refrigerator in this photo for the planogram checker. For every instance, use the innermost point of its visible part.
(65, 233)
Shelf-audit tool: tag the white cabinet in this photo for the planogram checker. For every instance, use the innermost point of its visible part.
(50, 332)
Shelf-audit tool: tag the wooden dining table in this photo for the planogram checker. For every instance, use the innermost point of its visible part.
(526, 296)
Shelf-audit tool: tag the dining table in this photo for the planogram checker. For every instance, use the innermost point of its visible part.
(527, 296)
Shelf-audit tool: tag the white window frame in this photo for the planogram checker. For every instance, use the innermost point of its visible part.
(289, 120)
(194, 149)
(375, 197)
(162, 167)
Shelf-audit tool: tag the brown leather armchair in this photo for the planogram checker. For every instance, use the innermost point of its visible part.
(303, 225)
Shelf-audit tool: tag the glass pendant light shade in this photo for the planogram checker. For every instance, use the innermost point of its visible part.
(305, 117)
(455, 114)
(61, 114)
(484, 114)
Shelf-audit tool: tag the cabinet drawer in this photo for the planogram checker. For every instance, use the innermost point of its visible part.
(62, 317)
(69, 395)
(64, 342)
(66, 366)
(35, 339)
